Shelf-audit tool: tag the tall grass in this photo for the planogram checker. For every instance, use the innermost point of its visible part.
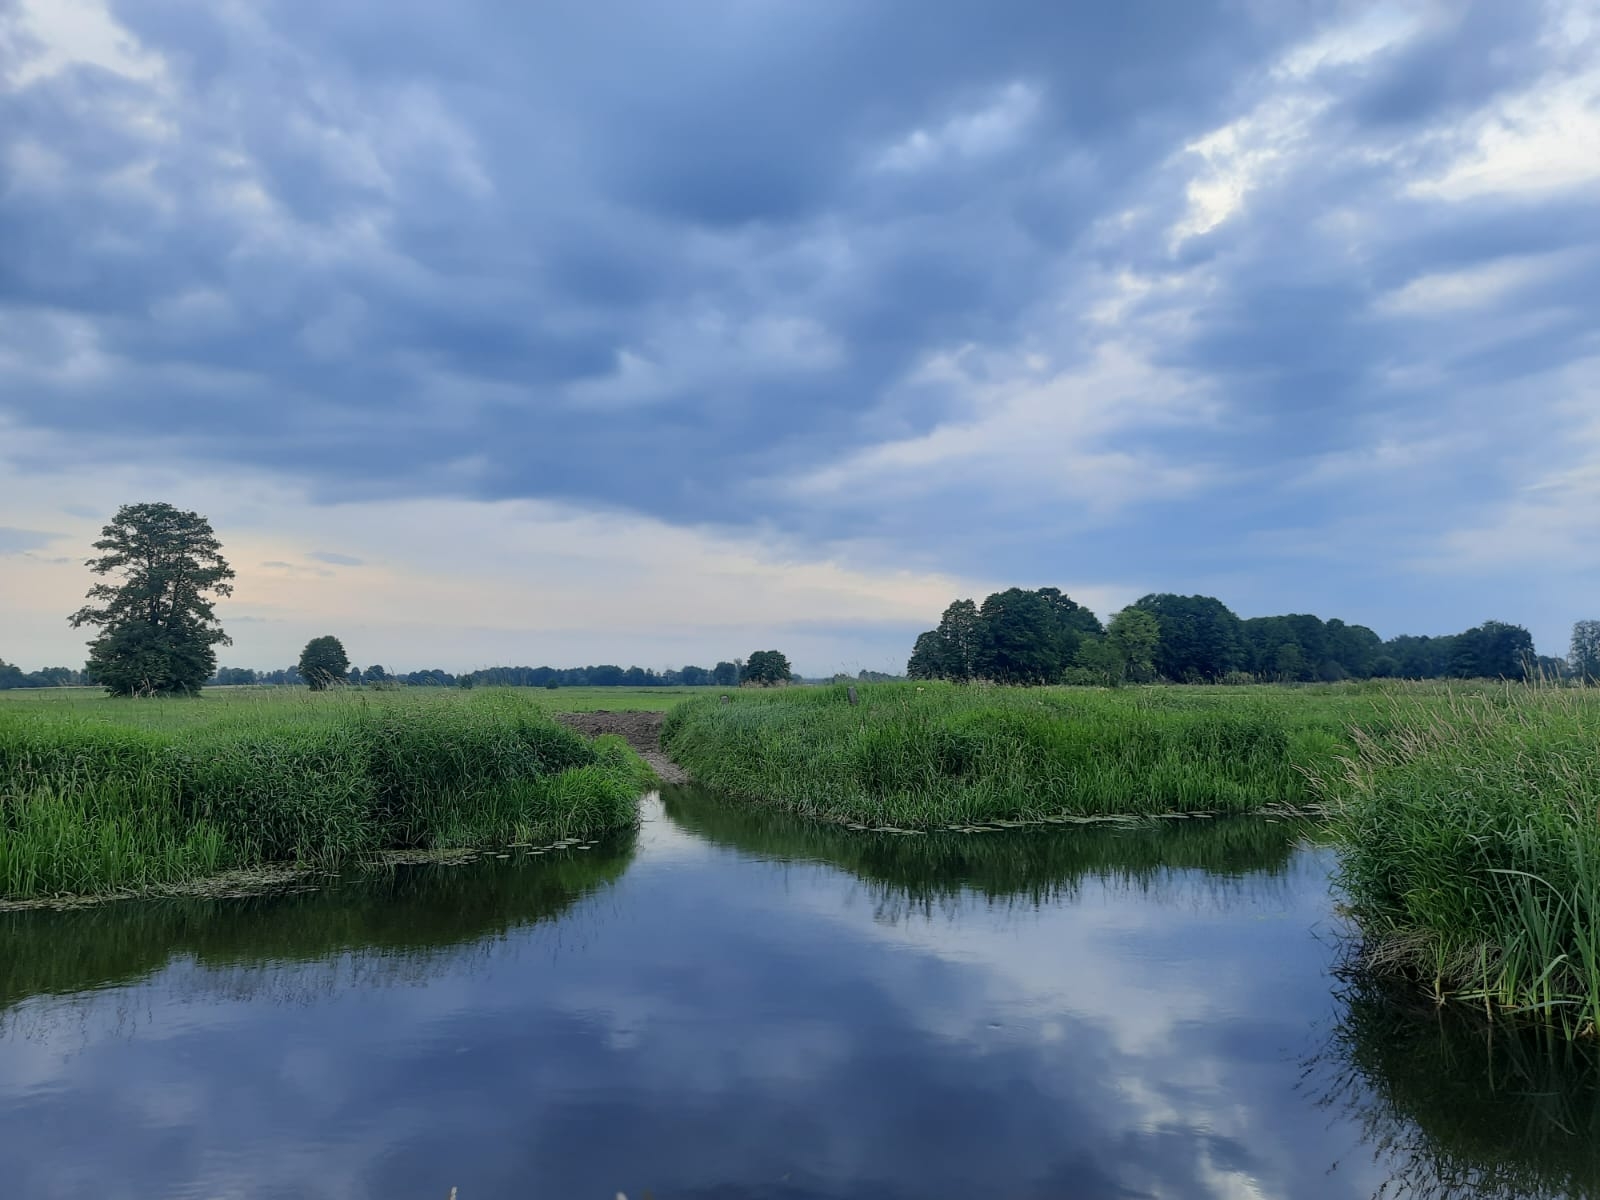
(920, 756)
(125, 794)
(1470, 849)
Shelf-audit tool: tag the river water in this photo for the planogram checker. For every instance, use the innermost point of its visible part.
(731, 1003)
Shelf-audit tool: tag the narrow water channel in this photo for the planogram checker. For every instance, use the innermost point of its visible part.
(732, 1003)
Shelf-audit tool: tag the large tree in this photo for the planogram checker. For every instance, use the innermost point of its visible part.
(1493, 650)
(157, 621)
(1584, 657)
(925, 661)
(1201, 638)
(766, 667)
(323, 662)
(1021, 638)
(1136, 635)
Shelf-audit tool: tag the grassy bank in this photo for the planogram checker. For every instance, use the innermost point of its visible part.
(105, 795)
(923, 756)
(1470, 860)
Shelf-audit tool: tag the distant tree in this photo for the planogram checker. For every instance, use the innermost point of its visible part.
(1493, 650)
(725, 674)
(1020, 642)
(960, 636)
(10, 676)
(158, 625)
(376, 674)
(1201, 638)
(323, 662)
(1584, 655)
(1099, 660)
(1136, 635)
(694, 676)
(235, 676)
(1074, 623)
(925, 661)
(1288, 663)
(355, 677)
(766, 667)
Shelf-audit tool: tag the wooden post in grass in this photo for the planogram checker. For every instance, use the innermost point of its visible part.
(854, 699)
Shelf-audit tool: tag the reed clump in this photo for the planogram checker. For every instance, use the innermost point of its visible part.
(124, 795)
(923, 756)
(1470, 849)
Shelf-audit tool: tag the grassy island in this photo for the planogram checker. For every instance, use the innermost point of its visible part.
(101, 795)
(930, 755)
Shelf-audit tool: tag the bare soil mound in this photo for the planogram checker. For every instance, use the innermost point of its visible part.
(641, 730)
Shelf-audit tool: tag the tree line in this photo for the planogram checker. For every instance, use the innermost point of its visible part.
(1043, 636)
(724, 674)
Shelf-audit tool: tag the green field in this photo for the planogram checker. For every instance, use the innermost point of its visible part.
(100, 795)
(931, 755)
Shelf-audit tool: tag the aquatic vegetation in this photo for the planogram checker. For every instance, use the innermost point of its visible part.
(1470, 849)
(1458, 1108)
(923, 756)
(124, 795)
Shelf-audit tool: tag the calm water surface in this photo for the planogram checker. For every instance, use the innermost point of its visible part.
(732, 1004)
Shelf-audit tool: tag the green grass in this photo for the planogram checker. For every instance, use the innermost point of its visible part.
(924, 756)
(101, 795)
(1470, 860)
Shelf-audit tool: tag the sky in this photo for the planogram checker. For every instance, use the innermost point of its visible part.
(653, 334)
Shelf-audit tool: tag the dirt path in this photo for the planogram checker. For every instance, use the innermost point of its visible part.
(641, 730)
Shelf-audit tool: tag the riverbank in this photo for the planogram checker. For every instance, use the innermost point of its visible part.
(110, 796)
(641, 729)
(1469, 837)
(938, 755)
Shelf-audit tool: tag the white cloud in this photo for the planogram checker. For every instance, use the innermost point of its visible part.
(1033, 437)
(1471, 287)
(1544, 139)
(991, 128)
(70, 33)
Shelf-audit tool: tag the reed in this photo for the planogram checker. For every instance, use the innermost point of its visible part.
(1470, 850)
(924, 756)
(123, 795)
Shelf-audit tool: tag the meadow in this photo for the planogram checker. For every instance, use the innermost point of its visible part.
(100, 795)
(925, 756)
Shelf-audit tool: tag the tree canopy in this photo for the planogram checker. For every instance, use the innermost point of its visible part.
(766, 667)
(1584, 654)
(158, 624)
(1043, 636)
(323, 662)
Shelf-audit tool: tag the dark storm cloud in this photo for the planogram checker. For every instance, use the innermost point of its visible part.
(314, 223)
(673, 259)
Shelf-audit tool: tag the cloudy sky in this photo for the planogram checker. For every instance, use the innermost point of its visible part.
(658, 333)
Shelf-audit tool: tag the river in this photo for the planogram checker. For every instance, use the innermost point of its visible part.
(734, 1003)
